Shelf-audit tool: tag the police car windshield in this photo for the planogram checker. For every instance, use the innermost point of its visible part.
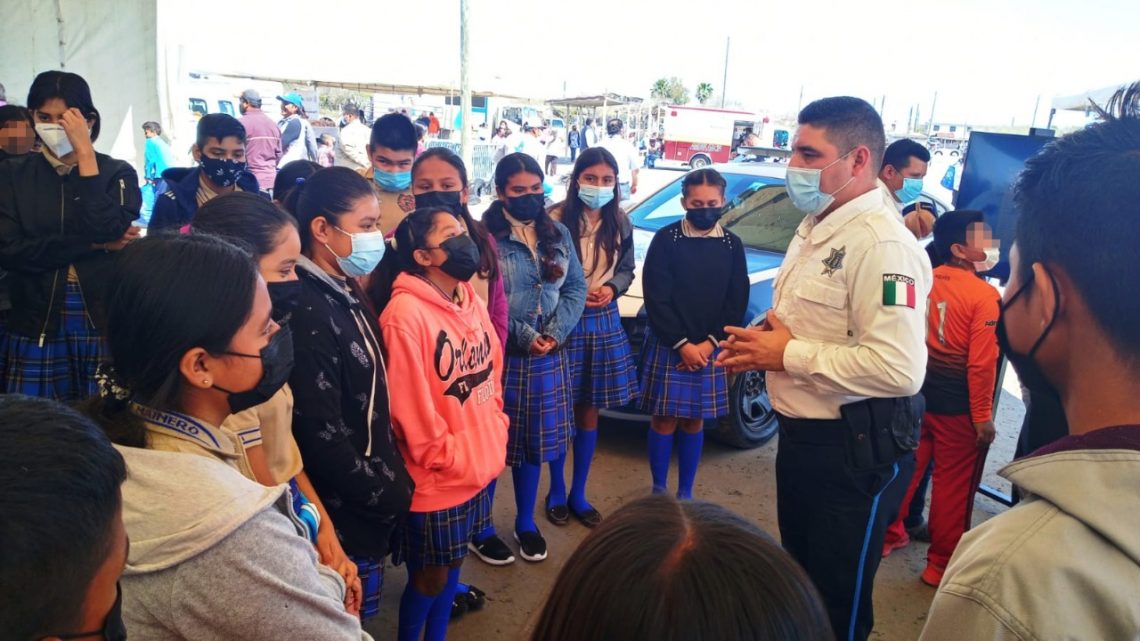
(758, 210)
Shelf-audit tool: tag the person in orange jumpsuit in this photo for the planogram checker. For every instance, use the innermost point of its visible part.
(961, 373)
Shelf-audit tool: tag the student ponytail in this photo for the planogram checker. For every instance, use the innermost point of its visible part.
(410, 235)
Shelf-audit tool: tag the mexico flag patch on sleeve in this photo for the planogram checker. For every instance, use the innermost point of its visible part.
(898, 290)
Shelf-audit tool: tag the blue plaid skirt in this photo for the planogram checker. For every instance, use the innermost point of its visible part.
(441, 537)
(371, 573)
(536, 398)
(602, 373)
(63, 368)
(667, 391)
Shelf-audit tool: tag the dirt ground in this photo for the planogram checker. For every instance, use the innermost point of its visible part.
(743, 481)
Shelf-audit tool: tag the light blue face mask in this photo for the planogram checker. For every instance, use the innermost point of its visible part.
(367, 250)
(595, 197)
(392, 180)
(911, 190)
(803, 188)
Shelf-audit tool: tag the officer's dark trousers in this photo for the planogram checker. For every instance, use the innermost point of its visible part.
(833, 518)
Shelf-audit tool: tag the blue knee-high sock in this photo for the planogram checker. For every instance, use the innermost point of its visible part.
(490, 531)
(440, 614)
(660, 451)
(585, 441)
(414, 609)
(558, 481)
(688, 458)
(526, 491)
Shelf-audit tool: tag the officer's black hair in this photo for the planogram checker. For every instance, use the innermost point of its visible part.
(394, 131)
(59, 494)
(899, 153)
(848, 122)
(219, 127)
(663, 569)
(951, 229)
(1078, 203)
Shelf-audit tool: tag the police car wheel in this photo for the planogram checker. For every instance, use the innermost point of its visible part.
(751, 422)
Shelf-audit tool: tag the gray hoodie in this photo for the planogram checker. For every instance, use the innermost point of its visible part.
(215, 556)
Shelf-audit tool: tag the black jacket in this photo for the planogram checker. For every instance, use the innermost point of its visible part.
(176, 208)
(334, 381)
(48, 222)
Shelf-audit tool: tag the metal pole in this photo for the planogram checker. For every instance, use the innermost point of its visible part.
(1036, 105)
(724, 82)
(909, 119)
(464, 87)
(800, 104)
(930, 125)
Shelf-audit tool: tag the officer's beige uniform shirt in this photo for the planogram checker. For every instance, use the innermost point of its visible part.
(850, 344)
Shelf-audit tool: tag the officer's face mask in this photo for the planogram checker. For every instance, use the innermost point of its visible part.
(804, 190)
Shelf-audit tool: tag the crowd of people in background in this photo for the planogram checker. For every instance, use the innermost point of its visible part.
(317, 363)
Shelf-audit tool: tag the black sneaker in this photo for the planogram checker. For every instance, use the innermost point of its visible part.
(492, 551)
(532, 547)
(920, 533)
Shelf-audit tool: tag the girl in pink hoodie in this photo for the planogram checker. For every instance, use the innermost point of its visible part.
(444, 373)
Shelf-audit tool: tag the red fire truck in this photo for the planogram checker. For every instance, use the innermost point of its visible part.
(699, 136)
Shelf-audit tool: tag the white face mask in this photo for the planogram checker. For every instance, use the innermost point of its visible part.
(55, 138)
(993, 255)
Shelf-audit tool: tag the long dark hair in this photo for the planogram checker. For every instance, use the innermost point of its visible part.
(290, 175)
(69, 87)
(548, 235)
(171, 293)
(661, 569)
(606, 241)
(488, 261)
(244, 217)
(329, 193)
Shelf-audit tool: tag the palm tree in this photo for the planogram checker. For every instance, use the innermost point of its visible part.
(660, 89)
(704, 92)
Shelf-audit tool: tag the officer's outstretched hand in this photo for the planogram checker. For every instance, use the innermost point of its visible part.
(758, 348)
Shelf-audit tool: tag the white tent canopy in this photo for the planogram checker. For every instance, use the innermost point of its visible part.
(1083, 101)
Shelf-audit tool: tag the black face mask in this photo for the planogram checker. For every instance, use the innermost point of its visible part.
(113, 627)
(1028, 371)
(276, 366)
(462, 257)
(448, 200)
(703, 218)
(285, 296)
(526, 208)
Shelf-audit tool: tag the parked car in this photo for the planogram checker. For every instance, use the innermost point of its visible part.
(759, 211)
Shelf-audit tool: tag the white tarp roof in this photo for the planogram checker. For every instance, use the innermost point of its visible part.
(1081, 101)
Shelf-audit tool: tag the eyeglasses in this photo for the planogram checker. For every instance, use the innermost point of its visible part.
(113, 628)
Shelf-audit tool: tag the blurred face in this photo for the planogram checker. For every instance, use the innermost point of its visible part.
(17, 137)
(979, 238)
(812, 150)
(288, 109)
(701, 196)
(280, 265)
(436, 174)
(390, 160)
(229, 148)
(336, 235)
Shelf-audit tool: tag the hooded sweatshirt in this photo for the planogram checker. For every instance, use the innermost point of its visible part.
(445, 367)
(215, 556)
(1064, 564)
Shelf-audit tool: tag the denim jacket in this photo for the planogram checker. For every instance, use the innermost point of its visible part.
(562, 301)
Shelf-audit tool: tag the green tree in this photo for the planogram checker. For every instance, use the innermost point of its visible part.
(704, 92)
(670, 90)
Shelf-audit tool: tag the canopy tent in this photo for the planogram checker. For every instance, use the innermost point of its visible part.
(1083, 101)
(603, 100)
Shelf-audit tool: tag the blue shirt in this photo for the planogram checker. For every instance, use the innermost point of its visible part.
(158, 158)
